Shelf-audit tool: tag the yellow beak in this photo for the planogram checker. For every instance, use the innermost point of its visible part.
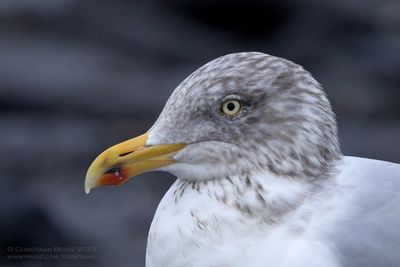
(127, 159)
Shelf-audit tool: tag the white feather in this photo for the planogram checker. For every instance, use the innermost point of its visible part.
(353, 220)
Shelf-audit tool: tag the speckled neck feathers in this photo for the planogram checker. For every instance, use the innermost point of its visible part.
(242, 177)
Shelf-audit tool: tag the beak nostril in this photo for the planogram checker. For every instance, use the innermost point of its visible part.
(126, 153)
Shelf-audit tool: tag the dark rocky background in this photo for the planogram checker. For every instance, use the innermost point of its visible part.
(79, 76)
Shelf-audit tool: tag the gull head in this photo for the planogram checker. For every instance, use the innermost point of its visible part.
(237, 114)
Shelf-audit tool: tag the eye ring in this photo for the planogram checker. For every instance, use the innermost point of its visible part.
(231, 107)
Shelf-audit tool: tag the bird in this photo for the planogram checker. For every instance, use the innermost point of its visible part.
(261, 179)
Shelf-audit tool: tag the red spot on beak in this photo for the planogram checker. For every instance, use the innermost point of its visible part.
(114, 176)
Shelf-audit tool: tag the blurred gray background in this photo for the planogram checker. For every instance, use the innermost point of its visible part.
(79, 76)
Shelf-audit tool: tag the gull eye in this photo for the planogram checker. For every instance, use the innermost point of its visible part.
(231, 107)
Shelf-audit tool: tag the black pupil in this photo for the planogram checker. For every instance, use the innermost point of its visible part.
(230, 106)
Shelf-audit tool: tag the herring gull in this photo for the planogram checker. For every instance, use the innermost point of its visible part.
(261, 179)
